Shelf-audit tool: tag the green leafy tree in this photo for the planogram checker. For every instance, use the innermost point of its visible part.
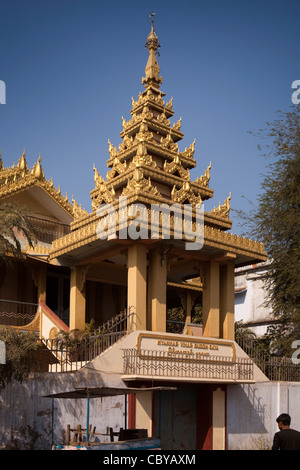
(275, 221)
(20, 354)
(13, 221)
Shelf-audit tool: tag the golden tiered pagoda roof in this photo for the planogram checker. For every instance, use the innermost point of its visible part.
(148, 167)
(148, 162)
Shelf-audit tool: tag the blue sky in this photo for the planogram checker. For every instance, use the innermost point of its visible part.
(71, 67)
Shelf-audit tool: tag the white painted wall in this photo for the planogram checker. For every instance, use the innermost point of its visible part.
(252, 411)
(25, 414)
(250, 298)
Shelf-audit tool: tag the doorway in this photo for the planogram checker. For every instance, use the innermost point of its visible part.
(58, 294)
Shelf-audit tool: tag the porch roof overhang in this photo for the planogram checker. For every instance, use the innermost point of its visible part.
(98, 392)
(223, 247)
(84, 242)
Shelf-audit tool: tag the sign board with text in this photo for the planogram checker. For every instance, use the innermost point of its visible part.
(177, 346)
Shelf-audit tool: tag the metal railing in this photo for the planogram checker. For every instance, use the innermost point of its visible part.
(274, 367)
(282, 369)
(71, 353)
(47, 230)
(159, 364)
(253, 350)
(14, 313)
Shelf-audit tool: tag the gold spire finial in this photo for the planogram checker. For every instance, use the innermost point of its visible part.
(152, 40)
(152, 20)
(38, 170)
(152, 68)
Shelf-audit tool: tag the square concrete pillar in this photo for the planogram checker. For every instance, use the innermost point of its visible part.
(137, 285)
(143, 417)
(77, 298)
(218, 419)
(227, 300)
(157, 291)
(211, 300)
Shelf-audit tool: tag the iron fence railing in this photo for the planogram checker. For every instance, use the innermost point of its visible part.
(47, 230)
(14, 313)
(274, 367)
(282, 369)
(159, 364)
(252, 349)
(71, 353)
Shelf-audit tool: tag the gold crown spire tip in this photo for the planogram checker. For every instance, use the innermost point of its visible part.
(152, 39)
(152, 67)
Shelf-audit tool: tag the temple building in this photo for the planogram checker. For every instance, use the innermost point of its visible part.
(133, 253)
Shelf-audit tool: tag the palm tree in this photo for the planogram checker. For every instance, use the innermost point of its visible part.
(13, 222)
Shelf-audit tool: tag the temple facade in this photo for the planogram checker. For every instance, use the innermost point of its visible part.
(146, 247)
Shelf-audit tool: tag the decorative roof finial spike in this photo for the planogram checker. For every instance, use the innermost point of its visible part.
(152, 20)
(152, 67)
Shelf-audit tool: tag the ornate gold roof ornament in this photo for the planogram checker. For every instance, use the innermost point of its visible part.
(169, 105)
(145, 114)
(103, 193)
(152, 69)
(141, 99)
(168, 143)
(222, 210)
(142, 157)
(147, 97)
(144, 135)
(189, 152)
(185, 195)
(126, 144)
(124, 123)
(112, 150)
(77, 210)
(176, 166)
(177, 125)
(117, 168)
(139, 183)
(38, 170)
(162, 119)
(204, 179)
(22, 163)
(97, 177)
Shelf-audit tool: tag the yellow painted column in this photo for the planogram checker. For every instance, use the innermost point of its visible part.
(39, 276)
(77, 298)
(157, 291)
(211, 300)
(227, 300)
(143, 417)
(137, 285)
(218, 419)
(187, 302)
